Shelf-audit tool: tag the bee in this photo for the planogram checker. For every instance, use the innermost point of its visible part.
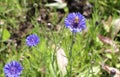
(76, 19)
(75, 22)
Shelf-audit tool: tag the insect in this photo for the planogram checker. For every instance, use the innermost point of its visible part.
(76, 19)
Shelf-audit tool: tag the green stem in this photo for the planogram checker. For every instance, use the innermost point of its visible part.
(70, 53)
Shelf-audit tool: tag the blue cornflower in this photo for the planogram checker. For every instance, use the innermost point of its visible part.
(13, 69)
(32, 40)
(75, 22)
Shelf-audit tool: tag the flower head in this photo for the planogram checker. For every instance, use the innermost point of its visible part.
(32, 40)
(13, 69)
(75, 22)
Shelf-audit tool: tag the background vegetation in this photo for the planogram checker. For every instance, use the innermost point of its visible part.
(94, 50)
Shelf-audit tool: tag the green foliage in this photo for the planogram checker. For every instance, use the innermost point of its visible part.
(40, 61)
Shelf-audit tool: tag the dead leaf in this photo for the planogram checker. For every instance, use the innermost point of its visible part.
(59, 4)
(60, 1)
(109, 41)
(62, 60)
(108, 50)
(116, 27)
(107, 24)
(105, 40)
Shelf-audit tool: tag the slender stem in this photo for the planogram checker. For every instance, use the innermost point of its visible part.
(70, 53)
(91, 64)
(53, 55)
(1, 37)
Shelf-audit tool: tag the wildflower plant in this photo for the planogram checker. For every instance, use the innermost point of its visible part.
(32, 40)
(76, 23)
(13, 69)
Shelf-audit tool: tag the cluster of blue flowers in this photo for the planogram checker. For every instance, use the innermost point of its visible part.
(74, 21)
